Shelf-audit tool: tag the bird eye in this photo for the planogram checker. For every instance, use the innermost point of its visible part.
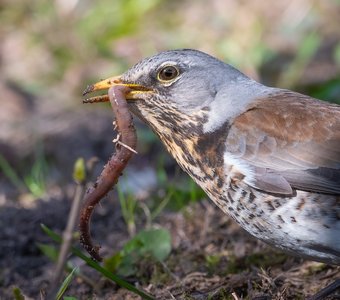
(168, 73)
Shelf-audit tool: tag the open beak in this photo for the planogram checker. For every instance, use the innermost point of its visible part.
(133, 94)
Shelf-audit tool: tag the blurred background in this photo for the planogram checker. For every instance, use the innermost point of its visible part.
(50, 51)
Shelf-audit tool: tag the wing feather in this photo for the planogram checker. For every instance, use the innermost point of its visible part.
(289, 138)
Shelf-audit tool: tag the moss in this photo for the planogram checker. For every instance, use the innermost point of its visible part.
(265, 259)
(160, 276)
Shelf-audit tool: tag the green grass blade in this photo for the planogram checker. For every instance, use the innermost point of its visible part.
(11, 174)
(98, 267)
(161, 206)
(65, 284)
(17, 294)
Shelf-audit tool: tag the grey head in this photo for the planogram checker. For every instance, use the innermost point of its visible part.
(188, 81)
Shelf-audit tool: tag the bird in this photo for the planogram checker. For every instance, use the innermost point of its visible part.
(268, 157)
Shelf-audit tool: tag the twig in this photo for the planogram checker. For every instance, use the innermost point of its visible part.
(127, 147)
(68, 232)
(328, 290)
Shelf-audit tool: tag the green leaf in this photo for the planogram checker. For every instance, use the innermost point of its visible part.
(128, 264)
(65, 284)
(70, 298)
(154, 243)
(79, 170)
(17, 294)
(35, 180)
(50, 251)
(182, 196)
(112, 263)
(96, 266)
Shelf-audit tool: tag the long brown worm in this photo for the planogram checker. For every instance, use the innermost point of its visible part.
(113, 169)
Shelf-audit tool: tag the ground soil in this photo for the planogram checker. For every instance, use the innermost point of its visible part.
(246, 268)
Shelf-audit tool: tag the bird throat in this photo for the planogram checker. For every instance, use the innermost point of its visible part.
(199, 154)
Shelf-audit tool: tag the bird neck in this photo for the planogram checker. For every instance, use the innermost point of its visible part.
(199, 154)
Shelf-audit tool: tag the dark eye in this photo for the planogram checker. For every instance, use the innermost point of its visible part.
(168, 73)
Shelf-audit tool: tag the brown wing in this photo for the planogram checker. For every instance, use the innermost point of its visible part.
(290, 140)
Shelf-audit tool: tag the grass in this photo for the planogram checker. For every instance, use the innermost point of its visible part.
(152, 245)
(128, 206)
(17, 294)
(34, 181)
(177, 193)
(55, 237)
(65, 284)
(148, 245)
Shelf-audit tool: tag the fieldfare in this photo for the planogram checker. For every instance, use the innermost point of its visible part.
(268, 157)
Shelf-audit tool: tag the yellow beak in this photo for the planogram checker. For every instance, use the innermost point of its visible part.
(135, 89)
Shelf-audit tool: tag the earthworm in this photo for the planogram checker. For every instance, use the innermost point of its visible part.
(113, 169)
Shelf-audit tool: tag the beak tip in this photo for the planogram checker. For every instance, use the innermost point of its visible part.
(88, 89)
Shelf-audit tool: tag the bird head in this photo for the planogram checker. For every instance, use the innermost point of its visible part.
(172, 83)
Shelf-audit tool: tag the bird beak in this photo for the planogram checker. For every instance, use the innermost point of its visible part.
(133, 94)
